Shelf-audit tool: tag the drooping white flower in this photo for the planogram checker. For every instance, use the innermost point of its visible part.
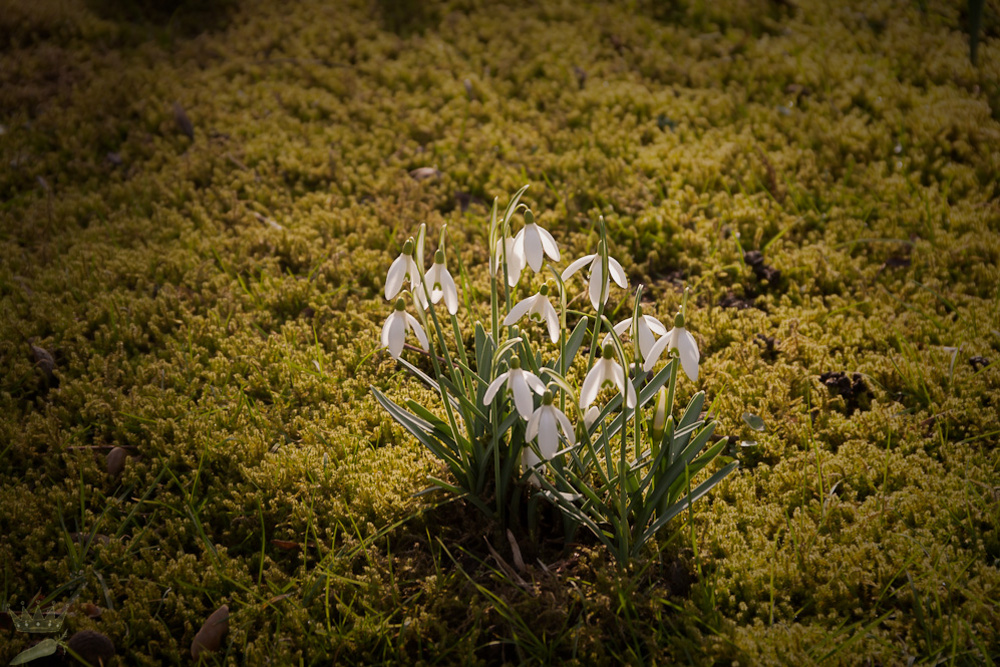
(649, 328)
(394, 330)
(679, 339)
(440, 284)
(520, 383)
(515, 260)
(533, 242)
(544, 425)
(538, 308)
(606, 371)
(401, 268)
(599, 284)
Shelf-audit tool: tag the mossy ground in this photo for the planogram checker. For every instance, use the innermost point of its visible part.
(212, 303)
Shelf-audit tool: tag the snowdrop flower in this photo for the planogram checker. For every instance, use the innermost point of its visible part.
(679, 339)
(402, 267)
(591, 415)
(606, 371)
(544, 425)
(649, 329)
(520, 383)
(439, 283)
(394, 330)
(515, 260)
(538, 308)
(599, 284)
(532, 242)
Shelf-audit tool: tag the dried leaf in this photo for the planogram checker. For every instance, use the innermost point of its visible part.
(39, 650)
(209, 637)
(423, 173)
(754, 421)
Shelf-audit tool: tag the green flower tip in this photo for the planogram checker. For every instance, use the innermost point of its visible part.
(529, 217)
(400, 304)
(515, 362)
(547, 398)
(439, 256)
(408, 247)
(544, 290)
(679, 319)
(609, 352)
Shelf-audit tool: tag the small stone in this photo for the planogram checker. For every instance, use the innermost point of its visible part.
(116, 461)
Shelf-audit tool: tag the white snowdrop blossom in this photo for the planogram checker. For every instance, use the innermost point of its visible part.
(544, 425)
(533, 242)
(599, 284)
(401, 268)
(520, 383)
(394, 330)
(538, 308)
(591, 415)
(440, 284)
(649, 328)
(660, 414)
(515, 260)
(606, 371)
(679, 339)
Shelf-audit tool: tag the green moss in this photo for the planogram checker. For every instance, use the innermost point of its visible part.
(213, 305)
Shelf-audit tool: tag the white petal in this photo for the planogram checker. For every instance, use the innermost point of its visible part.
(515, 262)
(518, 311)
(548, 434)
(567, 427)
(598, 283)
(418, 331)
(529, 460)
(623, 326)
(532, 246)
(591, 416)
(450, 292)
(397, 333)
(536, 385)
(491, 391)
(385, 329)
(522, 394)
(532, 429)
(591, 385)
(576, 266)
(688, 350)
(394, 278)
(552, 319)
(617, 272)
(549, 244)
(646, 339)
(655, 325)
(654, 353)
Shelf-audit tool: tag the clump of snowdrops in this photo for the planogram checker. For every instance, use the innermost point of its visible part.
(515, 427)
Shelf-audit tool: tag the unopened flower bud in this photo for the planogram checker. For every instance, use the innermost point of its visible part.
(591, 415)
(660, 415)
